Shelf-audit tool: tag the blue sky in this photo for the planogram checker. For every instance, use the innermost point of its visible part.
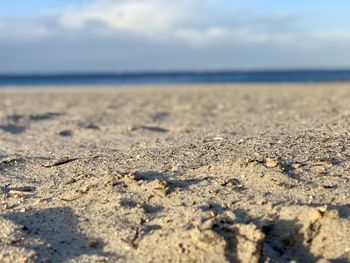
(36, 7)
(123, 35)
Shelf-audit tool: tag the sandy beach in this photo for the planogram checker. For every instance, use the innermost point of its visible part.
(230, 173)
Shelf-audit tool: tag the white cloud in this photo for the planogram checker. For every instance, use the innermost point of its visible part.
(339, 36)
(185, 22)
(148, 17)
(202, 37)
(24, 29)
(247, 35)
(163, 20)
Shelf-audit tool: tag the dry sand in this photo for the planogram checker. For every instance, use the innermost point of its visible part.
(175, 174)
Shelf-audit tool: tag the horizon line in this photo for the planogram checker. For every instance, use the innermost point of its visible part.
(170, 72)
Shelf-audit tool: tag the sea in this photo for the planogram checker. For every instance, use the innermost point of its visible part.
(184, 77)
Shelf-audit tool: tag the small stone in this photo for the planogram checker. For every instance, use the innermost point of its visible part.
(270, 206)
(92, 126)
(71, 181)
(65, 133)
(20, 193)
(322, 209)
(296, 165)
(141, 221)
(84, 189)
(132, 128)
(161, 186)
(328, 163)
(93, 244)
(315, 215)
(271, 163)
(123, 172)
(70, 196)
(261, 202)
(234, 183)
(185, 130)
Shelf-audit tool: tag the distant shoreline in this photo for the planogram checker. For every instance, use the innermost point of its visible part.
(176, 77)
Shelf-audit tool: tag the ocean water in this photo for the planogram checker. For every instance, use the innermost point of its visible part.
(292, 76)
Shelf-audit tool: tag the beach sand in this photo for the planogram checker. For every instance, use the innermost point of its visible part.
(236, 173)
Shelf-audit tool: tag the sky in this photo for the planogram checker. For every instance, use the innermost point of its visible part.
(62, 36)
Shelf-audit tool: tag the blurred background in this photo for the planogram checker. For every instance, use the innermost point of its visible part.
(120, 36)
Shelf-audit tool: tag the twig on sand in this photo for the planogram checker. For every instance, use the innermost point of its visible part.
(60, 162)
(132, 242)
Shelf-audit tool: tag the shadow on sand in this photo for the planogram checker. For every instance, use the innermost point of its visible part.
(57, 230)
(283, 241)
(15, 125)
(12, 128)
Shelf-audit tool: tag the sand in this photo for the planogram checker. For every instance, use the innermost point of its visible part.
(245, 173)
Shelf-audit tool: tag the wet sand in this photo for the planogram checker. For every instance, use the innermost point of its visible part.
(236, 173)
